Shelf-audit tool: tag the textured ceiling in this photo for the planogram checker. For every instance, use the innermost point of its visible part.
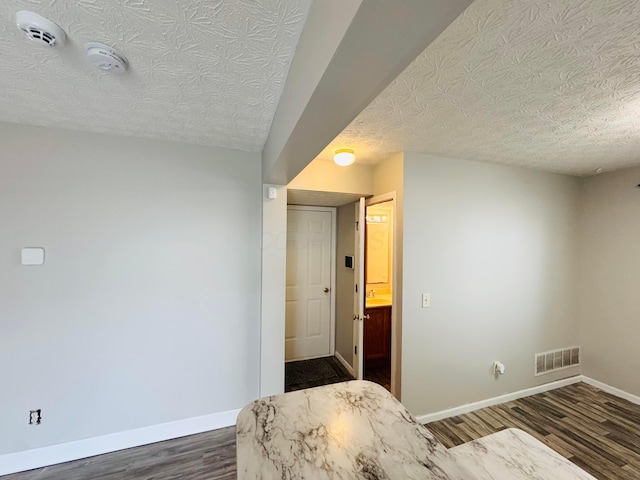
(552, 85)
(321, 199)
(202, 71)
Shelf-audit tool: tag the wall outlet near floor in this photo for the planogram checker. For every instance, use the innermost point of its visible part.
(35, 417)
(426, 300)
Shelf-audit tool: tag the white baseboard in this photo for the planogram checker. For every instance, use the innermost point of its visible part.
(345, 364)
(470, 407)
(66, 452)
(612, 390)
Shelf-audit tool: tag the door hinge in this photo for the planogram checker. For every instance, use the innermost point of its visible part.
(355, 349)
(356, 288)
(357, 225)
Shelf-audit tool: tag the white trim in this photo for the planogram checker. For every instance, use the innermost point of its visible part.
(470, 407)
(89, 447)
(612, 390)
(312, 357)
(383, 197)
(359, 287)
(345, 364)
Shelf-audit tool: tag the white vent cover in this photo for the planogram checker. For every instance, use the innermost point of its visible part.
(40, 30)
(554, 360)
(105, 58)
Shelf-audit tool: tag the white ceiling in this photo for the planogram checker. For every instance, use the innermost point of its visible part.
(202, 71)
(552, 85)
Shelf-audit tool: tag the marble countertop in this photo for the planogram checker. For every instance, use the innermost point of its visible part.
(351, 430)
(515, 455)
(358, 430)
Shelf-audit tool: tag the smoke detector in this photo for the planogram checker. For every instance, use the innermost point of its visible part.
(106, 58)
(40, 30)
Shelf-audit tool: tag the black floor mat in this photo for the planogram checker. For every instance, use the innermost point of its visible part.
(313, 373)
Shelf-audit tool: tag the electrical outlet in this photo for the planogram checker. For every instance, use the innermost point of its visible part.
(35, 417)
(426, 300)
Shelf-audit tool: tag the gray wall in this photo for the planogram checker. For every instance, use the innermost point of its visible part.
(345, 243)
(274, 279)
(610, 300)
(497, 249)
(147, 309)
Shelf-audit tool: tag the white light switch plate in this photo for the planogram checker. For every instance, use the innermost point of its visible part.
(32, 256)
(426, 300)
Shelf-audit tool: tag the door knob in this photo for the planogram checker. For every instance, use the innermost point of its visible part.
(326, 290)
(366, 317)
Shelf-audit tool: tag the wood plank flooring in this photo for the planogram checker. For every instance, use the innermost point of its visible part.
(379, 374)
(206, 456)
(595, 430)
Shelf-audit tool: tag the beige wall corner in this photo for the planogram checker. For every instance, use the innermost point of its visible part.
(325, 176)
(345, 280)
(610, 276)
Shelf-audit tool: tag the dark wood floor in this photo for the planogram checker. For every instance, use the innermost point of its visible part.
(595, 430)
(379, 374)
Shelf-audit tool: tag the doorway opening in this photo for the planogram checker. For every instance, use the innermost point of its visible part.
(365, 309)
(310, 314)
(378, 292)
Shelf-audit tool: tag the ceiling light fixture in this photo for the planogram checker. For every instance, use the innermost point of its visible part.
(344, 157)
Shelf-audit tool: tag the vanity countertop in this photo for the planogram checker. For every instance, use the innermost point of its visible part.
(351, 430)
(378, 301)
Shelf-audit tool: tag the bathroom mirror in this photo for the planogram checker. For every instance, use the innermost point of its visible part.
(378, 244)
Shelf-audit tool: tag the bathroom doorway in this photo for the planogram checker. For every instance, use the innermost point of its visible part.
(378, 291)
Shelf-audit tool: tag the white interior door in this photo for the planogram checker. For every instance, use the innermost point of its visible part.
(358, 291)
(309, 330)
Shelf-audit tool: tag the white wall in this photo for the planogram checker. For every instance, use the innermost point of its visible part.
(610, 300)
(497, 249)
(147, 309)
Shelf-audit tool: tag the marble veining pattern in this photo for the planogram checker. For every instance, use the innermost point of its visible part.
(552, 85)
(515, 455)
(353, 430)
(202, 71)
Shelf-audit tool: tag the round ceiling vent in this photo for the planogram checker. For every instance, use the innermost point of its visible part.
(106, 58)
(40, 30)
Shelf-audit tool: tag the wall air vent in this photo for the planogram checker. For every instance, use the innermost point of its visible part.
(554, 360)
(40, 30)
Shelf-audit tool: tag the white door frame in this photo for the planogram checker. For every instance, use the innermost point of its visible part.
(332, 290)
(396, 296)
(359, 287)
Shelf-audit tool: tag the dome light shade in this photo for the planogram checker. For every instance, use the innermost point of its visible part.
(344, 157)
